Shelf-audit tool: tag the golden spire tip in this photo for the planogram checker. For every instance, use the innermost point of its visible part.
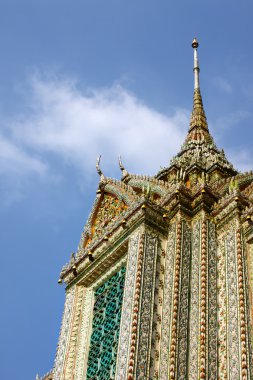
(195, 43)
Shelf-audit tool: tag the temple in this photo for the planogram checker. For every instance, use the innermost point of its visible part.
(161, 284)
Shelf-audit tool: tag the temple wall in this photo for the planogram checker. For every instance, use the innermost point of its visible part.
(186, 306)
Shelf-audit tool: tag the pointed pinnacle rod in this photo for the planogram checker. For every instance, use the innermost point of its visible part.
(196, 69)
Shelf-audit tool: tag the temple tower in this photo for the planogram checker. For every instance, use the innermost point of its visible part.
(161, 284)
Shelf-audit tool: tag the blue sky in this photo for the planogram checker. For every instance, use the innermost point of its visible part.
(80, 78)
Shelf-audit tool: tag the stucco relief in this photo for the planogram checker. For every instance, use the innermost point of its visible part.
(126, 316)
(146, 306)
(64, 334)
(212, 303)
(184, 302)
(232, 297)
(167, 301)
(194, 310)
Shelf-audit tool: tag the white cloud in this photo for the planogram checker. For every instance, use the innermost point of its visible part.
(74, 126)
(222, 84)
(229, 120)
(77, 126)
(15, 161)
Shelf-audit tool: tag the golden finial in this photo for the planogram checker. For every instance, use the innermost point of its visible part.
(195, 43)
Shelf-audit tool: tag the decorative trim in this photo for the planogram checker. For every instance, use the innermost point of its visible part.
(82, 353)
(174, 323)
(126, 316)
(212, 304)
(74, 334)
(146, 307)
(232, 294)
(248, 309)
(222, 311)
(64, 334)
(156, 335)
(167, 301)
(203, 286)
(183, 306)
(241, 313)
(195, 301)
(135, 316)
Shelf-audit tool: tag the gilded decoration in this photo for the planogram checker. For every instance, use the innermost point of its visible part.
(158, 310)
(249, 271)
(195, 297)
(167, 302)
(183, 330)
(147, 307)
(64, 334)
(232, 296)
(212, 325)
(109, 209)
(127, 307)
(74, 333)
(83, 335)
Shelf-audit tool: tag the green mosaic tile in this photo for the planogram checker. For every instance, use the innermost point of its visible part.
(105, 328)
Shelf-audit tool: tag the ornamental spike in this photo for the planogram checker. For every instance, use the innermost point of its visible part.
(100, 173)
(122, 168)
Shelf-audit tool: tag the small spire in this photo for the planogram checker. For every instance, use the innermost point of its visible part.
(196, 70)
(198, 117)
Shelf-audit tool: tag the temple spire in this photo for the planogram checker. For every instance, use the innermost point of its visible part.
(198, 117)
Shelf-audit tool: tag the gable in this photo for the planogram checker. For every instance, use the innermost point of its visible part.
(105, 212)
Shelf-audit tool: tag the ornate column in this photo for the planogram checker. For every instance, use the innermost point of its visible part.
(64, 334)
(123, 355)
(146, 306)
(167, 301)
(134, 357)
(194, 320)
(235, 349)
(212, 303)
(203, 307)
(82, 353)
(178, 338)
(70, 362)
